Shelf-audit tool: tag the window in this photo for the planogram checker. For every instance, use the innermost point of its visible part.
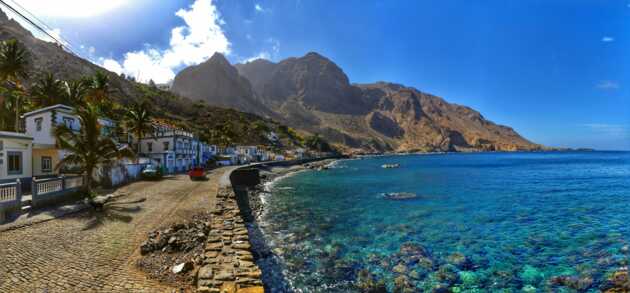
(46, 164)
(69, 122)
(38, 124)
(166, 145)
(150, 146)
(1, 145)
(15, 163)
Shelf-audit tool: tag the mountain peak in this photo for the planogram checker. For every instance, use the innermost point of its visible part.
(315, 55)
(219, 58)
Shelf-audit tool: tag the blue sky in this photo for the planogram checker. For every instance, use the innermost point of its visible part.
(556, 71)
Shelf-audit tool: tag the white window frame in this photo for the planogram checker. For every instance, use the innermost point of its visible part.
(46, 167)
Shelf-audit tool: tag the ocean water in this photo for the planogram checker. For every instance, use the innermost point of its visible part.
(488, 222)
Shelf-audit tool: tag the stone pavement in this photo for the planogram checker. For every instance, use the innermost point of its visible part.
(87, 251)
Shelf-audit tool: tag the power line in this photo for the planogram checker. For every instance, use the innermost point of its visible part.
(41, 22)
(37, 26)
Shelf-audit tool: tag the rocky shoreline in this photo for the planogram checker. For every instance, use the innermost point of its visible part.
(210, 253)
(252, 207)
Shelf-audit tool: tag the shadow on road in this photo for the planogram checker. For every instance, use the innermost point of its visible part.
(115, 211)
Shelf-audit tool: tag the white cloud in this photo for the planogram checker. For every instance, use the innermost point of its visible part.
(259, 8)
(71, 8)
(607, 39)
(191, 44)
(261, 55)
(113, 66)
(608, 85)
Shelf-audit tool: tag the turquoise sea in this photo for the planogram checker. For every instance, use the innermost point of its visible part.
(486, 222)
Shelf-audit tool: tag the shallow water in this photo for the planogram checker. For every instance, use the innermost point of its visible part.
(504, 222)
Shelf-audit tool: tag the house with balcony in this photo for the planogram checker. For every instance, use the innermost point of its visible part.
(15, 157)
(207, 152)
(247, 154)
(40, 125)
(174, 150)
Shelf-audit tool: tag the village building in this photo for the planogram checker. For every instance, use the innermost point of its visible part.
(40, 125)
(174, 150)
(15, 157)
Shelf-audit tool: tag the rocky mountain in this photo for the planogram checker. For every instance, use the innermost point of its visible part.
(217, 82)
(314, 94)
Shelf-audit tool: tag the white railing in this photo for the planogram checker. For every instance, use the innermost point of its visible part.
(8, 192)
(49, 186)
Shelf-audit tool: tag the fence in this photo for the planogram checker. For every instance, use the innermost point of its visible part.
(54, 190)
(10, 198)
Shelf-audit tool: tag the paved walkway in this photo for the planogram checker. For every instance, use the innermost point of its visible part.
(86, 252)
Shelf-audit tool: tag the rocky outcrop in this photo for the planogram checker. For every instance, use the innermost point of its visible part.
(217, 82)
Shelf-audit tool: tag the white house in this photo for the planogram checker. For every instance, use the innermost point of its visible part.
(173, 149)
(15, 156)
(248, 153)
(40, 125)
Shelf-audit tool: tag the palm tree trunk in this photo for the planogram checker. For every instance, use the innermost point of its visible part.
(17, 113)
(138, 147)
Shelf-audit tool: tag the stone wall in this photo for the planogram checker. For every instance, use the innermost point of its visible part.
(228, 263)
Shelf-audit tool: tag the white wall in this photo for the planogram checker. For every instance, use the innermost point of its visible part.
(45, 135)
(23, 146)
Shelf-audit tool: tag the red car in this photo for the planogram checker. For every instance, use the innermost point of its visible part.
(197, 173)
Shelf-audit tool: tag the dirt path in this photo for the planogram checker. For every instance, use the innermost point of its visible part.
(97, 252)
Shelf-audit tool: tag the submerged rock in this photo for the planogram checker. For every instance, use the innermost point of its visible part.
(530, 275)
(367, 283)
(460, 261)
(618, 282)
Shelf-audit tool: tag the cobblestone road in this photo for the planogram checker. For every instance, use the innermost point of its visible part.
(86, 252)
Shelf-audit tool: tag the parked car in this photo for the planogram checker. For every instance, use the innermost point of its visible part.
(151, 172)
(197, 173)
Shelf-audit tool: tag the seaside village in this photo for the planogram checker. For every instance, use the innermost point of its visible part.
(29, 158)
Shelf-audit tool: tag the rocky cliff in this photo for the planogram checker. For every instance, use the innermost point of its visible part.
(216, 81)
(314, 94)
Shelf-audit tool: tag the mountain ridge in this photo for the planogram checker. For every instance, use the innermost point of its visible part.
(313, 93)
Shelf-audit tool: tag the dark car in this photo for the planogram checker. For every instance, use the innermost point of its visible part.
(151, 172)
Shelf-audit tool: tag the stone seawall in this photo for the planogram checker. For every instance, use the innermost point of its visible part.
(228, 261)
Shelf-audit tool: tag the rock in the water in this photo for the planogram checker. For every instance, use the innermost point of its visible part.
(400, 268)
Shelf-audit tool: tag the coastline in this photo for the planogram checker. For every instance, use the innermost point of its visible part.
(252, 207)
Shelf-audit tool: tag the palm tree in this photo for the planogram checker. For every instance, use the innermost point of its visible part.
(13, 68)
(74, 91)
(88, 149)
(99, 88)
(138, 121)
(48, 91)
